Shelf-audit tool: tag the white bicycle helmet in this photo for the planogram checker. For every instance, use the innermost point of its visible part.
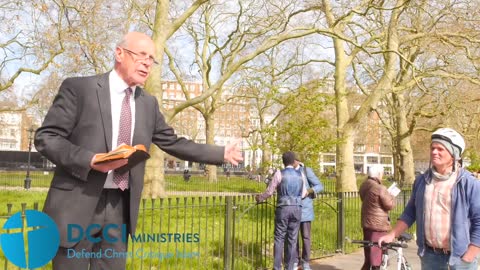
(451, 136)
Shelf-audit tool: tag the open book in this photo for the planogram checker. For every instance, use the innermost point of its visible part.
(394, 190)
(134, 154)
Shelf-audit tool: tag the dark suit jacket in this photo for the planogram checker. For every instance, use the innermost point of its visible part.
(79, 125)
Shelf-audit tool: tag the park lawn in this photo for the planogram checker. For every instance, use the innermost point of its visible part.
(17, 178)
(17, 197)
(200, 183)
(173, 182)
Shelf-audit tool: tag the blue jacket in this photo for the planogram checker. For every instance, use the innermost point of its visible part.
(289, 191)
(307, 203)
(465, 224)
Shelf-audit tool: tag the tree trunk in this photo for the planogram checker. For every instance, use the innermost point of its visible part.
(404, 148)
(153, 186)
(266, 152)
(267, 161)
(154, 171)
(253, 163)
(345, 170)
(210, 137)
(346, 180)
(396, 159)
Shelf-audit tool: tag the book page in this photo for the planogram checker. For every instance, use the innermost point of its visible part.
(134, 154)
(394, 190)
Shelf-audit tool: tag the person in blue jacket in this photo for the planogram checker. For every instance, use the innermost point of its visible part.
(313, 186)
(445, 204)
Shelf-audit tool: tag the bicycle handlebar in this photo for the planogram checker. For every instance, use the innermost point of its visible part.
(371, 244)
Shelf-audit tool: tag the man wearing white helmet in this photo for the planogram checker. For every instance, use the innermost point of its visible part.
(376, 202)
(445, 204)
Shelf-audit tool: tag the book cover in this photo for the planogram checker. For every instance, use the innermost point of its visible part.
(134, 154)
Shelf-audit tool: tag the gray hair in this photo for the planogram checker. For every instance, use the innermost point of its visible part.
(375, 171)
(123, 42)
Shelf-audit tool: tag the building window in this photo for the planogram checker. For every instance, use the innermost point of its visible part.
(359, 148)
(329, 158)
(386, 160)
(358, 159)
(372, 160)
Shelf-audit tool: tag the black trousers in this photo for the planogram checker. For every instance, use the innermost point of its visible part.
(112, 210)
(305, 229)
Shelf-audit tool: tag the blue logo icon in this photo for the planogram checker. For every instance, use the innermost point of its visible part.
(30, 241)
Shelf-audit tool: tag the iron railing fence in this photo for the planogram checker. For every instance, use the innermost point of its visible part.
(228, 232)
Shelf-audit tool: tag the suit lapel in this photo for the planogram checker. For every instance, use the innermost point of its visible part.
(103, 95)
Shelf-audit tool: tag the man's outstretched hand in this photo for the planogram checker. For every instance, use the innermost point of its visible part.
(232, 152)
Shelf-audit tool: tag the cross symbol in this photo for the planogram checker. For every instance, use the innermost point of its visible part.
(24, 230)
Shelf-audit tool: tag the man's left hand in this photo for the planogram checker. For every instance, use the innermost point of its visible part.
(468, 258)
(471, 253)
(232, 153)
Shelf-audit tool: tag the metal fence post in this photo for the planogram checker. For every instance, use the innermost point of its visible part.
(340, 222)
(227, 254)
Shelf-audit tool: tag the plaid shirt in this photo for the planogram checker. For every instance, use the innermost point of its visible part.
(438, 210)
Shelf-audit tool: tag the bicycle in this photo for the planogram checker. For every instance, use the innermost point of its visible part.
(397, 247)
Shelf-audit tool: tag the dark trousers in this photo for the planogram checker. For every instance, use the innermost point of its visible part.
(373, 255)
(305, 228)
(287, 222)
(112, 208)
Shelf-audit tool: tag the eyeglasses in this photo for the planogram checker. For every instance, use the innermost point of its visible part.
(142, 57)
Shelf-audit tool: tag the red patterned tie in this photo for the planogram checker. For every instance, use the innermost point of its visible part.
(124, 133)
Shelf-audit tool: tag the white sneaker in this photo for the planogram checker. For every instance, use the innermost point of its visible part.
(306, 266)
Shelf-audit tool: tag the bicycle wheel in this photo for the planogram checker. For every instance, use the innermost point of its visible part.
(406, 266)
(384, 264)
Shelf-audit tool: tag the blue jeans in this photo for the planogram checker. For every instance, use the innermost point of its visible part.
(439, 261)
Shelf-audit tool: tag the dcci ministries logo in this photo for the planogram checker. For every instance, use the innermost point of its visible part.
(30, 241)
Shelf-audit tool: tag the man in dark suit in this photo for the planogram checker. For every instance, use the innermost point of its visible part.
(92, 115)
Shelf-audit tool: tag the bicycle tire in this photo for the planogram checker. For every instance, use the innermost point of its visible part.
(406, 266)
(384, 264)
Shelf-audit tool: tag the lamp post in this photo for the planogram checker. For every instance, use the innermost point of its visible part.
(28, 181)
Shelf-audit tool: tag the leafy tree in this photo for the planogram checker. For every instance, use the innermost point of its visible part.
(302, 127)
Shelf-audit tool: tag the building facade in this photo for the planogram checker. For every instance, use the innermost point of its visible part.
(372, 146)
(230, 121)
(16, 131)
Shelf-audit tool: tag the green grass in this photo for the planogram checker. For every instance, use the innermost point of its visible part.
(17, 178)
(15, 198)
(201, 183)
(173, 182)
